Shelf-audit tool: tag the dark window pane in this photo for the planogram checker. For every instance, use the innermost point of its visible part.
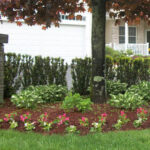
(132, 39)
(121, 30)
(121, 39)
(132, 31)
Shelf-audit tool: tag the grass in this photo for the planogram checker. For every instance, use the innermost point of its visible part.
(129, 140)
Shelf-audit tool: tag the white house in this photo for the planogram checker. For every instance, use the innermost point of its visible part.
(73, 38)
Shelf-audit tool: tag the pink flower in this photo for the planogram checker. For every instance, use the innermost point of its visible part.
(27, 113)
(60, 123)
(45, 113)
(9, 115)
(59, 116)
(64, 115)
(5, 119)
(122, 113)
(83, 119)
(104, 115)
(139, 110)
(67, 119)
(145, 111)
(22, 118)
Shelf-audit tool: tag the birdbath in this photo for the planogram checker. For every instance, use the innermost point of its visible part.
(3, 39)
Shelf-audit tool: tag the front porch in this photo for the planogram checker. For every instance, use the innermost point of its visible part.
(138, 49)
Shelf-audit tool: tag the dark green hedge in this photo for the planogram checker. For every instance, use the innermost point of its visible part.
(125, 69)
(24, 70)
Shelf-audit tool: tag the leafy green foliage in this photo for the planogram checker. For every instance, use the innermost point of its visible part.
(72, 129)
(115, 87)
(76, 102)
(26, 99)
(134, 97)
(127, 101)
(50, 93)
(32, 96)
(143, 89)
(111, 52)
(81, 75)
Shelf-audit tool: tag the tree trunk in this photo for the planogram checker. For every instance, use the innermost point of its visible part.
(1, 72)
(98, 51)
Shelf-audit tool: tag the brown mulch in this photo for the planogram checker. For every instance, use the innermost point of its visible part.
(54, 110)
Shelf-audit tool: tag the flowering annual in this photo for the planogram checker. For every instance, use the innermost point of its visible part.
(11, 119)
(25, 117)
(84, 121)
(62, 119)
(43, 120)
(142, 115)
(122, 120)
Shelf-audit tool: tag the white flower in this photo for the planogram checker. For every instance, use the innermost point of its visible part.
(72, 126)
(95, 124)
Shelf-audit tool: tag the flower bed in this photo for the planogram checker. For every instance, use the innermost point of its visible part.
(50, 119)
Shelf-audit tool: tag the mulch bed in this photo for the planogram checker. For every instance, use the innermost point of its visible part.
(54, 111)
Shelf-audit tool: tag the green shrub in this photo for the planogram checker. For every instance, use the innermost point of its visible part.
(81, 75)
(143, 89)
(76, 102)
(111, 52)
(34, 95)
(26, 99)
(115, 87)
(50, 93)
(128, 100)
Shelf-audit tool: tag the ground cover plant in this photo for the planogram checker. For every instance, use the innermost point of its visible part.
(135, 96)
(33, 95)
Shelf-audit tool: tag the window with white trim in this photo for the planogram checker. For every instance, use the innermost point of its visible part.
(66, 17)
(131, 35)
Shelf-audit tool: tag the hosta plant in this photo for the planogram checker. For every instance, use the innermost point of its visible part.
(128, 100)
(143, 89)
(142, 115)
(121, 121)
(84, 121)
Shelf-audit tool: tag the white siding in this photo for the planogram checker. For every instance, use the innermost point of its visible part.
(68, 41)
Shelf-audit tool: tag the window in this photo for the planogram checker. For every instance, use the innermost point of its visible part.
(121, 35)
(131, 34)
(65, 17)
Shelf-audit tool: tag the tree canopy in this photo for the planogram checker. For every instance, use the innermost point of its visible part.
(47, 12)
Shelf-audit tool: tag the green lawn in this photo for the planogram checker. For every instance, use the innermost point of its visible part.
(130, 140)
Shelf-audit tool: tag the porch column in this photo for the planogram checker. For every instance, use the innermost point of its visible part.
(3, 39)
(126, 36)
